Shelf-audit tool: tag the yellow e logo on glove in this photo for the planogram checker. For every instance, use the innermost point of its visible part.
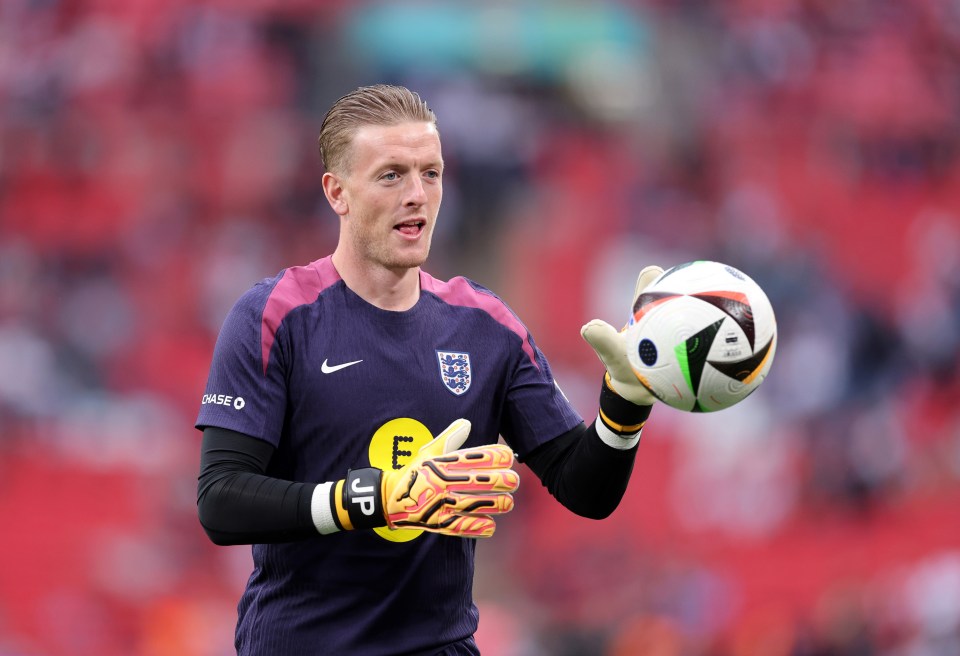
(391, 449)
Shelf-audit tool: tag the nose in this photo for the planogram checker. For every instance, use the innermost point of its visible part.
(416, 195)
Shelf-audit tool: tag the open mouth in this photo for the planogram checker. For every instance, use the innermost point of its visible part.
(411, 228)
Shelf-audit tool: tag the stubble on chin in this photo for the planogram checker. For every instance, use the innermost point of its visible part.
(392, 258)
(408, 260)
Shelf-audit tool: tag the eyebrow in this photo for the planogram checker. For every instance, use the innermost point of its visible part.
(405, 166)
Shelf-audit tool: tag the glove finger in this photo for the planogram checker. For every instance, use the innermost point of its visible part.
(480, 504)
(445, 520)
(439, 477)
(602, 337)
(450, 439)
(647, 275)
(610, 348)
(465, 526)
(477, 481)
(491, 456)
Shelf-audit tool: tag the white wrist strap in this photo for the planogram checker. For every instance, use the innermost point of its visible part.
(321, 511)
(615, 440)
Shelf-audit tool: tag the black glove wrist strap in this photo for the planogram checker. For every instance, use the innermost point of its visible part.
(619, 414)
(362, 498)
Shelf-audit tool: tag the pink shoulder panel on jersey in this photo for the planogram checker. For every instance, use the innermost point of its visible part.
(297, 286)
(459, 292)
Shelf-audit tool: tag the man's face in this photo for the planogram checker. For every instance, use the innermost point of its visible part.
(391, 193)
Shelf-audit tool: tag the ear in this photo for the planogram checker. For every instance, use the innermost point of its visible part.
(335, 193)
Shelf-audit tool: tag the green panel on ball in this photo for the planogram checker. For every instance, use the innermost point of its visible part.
(692, 354)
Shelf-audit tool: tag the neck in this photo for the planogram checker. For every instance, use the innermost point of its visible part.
(388, 289)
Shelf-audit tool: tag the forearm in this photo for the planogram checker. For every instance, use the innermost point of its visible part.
(588, 469)
(238, 504)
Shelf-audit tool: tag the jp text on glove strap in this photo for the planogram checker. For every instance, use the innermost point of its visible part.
(362, 498)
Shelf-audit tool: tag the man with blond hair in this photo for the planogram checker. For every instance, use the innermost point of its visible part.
(352, 415)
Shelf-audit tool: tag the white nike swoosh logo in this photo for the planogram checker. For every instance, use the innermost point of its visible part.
(327, 369)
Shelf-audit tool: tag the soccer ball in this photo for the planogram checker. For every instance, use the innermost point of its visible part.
(702, 336)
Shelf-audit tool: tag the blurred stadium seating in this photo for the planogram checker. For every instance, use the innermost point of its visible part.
(157, 158)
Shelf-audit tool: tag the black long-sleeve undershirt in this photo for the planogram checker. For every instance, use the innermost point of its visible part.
(581, 472)
(239, 504)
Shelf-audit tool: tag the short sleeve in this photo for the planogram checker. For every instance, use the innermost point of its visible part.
(536, 411)
(246, 388)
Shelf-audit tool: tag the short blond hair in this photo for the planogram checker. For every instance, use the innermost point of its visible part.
(380, 104)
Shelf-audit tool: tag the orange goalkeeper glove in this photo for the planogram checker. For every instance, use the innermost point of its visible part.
(444, 489)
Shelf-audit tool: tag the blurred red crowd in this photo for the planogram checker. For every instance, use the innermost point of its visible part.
(158, 158)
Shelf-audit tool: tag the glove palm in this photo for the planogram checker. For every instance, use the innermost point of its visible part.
(611, 347)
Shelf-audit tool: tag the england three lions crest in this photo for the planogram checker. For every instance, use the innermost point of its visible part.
(455, 371)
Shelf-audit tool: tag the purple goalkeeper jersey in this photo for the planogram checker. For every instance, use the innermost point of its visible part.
(335, 384)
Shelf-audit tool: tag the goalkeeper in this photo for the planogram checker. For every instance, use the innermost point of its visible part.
(353, 409)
